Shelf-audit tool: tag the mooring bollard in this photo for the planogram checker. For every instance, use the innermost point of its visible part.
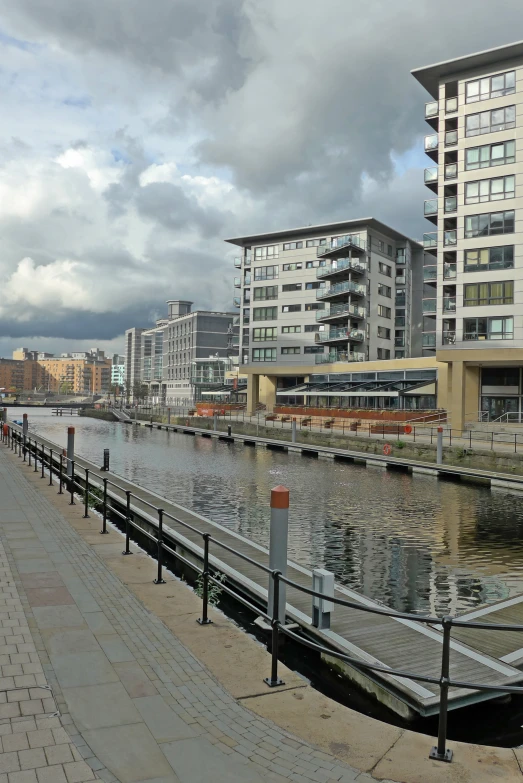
(279, 533)
(439, 451)
(70, 452)
(322, 582)
(229, 430)
(293, 436)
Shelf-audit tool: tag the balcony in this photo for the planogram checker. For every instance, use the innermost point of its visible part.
(451, 105)
(431, 175)
(451, 138)
(431, 109)
(247, 278)
(339, 311)
(400, 278)
(451, 171)
(449, 304)
(428, 340)
(341, 265)
(450, 238)
(332, 336)
(430, 273)
(449, 271)
(430, 240)
(431, 207)
(431, 143)
(399, 342)
(342, 288)
(448, 338)
(339, 356)
(429, 306)
(237, 302)
(351, 241)
(237, 282)
(238, 263)
(451, 203)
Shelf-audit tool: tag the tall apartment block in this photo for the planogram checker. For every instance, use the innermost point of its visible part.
(337, 293)
(473, 306)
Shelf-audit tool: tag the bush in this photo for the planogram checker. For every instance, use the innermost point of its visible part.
(214, 592)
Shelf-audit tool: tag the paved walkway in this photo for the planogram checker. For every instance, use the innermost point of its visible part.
(134, 705)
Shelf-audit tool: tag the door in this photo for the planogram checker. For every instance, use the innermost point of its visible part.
(498, 406)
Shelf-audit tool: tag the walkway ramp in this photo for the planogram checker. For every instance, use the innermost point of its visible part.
(507, 646)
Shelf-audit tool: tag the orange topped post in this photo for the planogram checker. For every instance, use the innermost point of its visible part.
(279, 534)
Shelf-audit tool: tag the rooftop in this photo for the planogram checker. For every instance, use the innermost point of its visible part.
(430, 76)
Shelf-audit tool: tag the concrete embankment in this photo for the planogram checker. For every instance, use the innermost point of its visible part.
(94, 413)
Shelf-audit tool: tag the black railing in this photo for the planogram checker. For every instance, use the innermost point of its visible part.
(90, 489)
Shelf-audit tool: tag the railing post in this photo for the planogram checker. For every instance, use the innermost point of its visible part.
(43, 460)
(36, 457)
(29, 454)
(441, 752)
(71, 484)
(70, 450)
(127, 522)
(25, 427)
(204, 620)
(273, 681)
(159, 579)
(439, 447)
(104, 511)
(61, 480)
(50, 467)
(86, 495)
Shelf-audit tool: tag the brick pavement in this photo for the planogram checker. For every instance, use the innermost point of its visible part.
(134, 703)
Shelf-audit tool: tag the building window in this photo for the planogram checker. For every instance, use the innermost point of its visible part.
(314, 306)
(401, 255)
(315, 264)
(383, 353)
(293, 308)
(383, 332)
(292, 267)
(264, 354)
(264, 313)
(293, 245)
(313, 349)
(490, 189)
(291, 287)
(389, 250)
(314, 286)
(291, 329)
(270, 251)
(316, 242)
(385, 269)
(476, 294)
(292, 350)
(490, 121)
(399, 354)
(385, 290)
(488, 328)
(266, 292)
(486, 258)
(265, 333)
(489, 224)
(490, 87)
(490, 155)
(266, 272)
(314, 328)
(384, 312)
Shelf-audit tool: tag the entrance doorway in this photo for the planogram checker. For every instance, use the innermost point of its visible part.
(495, 407)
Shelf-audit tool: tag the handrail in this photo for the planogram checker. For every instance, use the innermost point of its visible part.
(16, 440)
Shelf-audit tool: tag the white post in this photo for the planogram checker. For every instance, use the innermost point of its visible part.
(322, 582)
(215, 425)
(279, 533)
(70, 451)
(439, 453)
(293, 438)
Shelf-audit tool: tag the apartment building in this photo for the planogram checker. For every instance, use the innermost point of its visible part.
(86, 372)
(118, 370)
(133, 357)
(341, 292)
(473, 306)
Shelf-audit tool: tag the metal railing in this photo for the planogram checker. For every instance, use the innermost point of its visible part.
(99, 490)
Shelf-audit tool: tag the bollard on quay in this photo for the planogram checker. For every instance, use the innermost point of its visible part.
(70, 452)
(279, 534)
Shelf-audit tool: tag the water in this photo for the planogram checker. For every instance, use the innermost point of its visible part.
(415, 544)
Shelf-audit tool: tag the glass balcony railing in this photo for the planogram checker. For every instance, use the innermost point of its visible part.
(451, 105)
(430, 273)
(399, 342)
(333, 334)
(451, 171)
(451, 203)
(451, 138)
(431, 207)
(430, 240)
(431, 175)
(340, 264)
(339, 356)
(237, 282)
(247, 261)
(247, 278)
(429, 306)
(340, 288)
(431, 109)
(450, 238)
(449, 271)
(449, 304)
(448, 338)
(431, 142)
(428, 340)
(341, 310)
(237, 301)
(238, 263)
(400, 300)
(400, 279)
(350, 240)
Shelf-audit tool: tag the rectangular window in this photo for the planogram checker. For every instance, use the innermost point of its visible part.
(389, 250)
(287, 351)
(313, 349)
(266, 292)
(490, 121)
(316, 242)
(488, 328)
(486, 258)
(265, 333)
(475, 294)
(270, 251)
(314, 328)
(383, 353)
(401, 255)
(291, 329)
(264, 354)
(264, 313)
(315, 264)
(291, 287)
(385, 290)
(292, 267)
(384, 312)
(293, 308)
(314, 286)
(490, 155)
(265, 272)
(489, 224)
(385, 269)
(314, 306)
(490, 189)
(293, 245)
(490, 87)
(383, 332)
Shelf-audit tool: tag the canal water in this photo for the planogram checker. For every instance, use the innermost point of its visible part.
(416, 544)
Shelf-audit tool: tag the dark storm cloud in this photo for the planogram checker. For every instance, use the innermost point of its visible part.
(169, 205)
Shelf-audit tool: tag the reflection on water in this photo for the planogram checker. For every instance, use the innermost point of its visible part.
(416, 544)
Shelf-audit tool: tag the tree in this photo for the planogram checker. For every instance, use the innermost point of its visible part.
(114, 389)
(140, 391)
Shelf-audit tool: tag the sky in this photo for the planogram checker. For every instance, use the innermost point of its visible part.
(135, 136)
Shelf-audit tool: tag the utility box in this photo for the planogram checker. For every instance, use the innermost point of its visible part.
(322, 582)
